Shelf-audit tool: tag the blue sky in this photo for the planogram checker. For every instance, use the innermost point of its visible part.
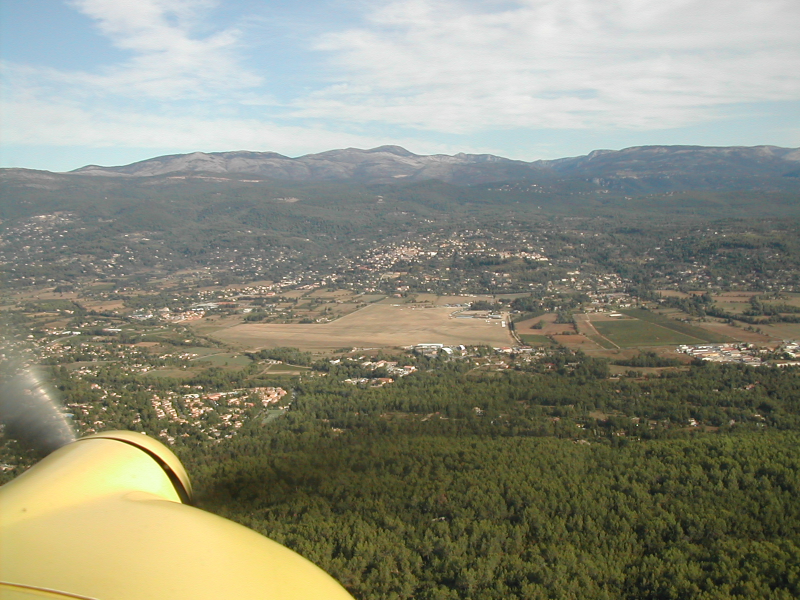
(114, 81)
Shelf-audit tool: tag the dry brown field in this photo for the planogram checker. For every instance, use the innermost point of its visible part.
(782, 331)
(793, 299)
(549, 327)
(733, 302)
(734, 332)
(104, 306)
(51, 295)
(734, 296)
(579, 342)
(583, 324)
(677, 294)
(672, 294)
(334, 295)
(461, 299)
(293, 293)
(377, 325)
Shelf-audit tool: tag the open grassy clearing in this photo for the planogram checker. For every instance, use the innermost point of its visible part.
(86, 363)
(672, 294)
(621, 370)
(272, 414)
(223, 359)
(377, 325)
(370, 298)
(173, 373)
(332, 294)
(733, 302)
(284, 369)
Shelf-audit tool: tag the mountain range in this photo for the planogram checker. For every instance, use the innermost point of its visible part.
(646, 181)
(643, 168)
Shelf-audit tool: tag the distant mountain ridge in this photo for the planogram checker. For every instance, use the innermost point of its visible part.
(384, 164)
(661, 167)
(390, 184)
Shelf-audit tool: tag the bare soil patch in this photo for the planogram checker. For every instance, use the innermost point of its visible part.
(577, 342)
(549, 326)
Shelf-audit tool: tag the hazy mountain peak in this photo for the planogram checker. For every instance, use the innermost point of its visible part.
(396, 150)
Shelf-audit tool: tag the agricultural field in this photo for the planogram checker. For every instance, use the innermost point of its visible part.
(549, 326)
(535, 340)
(733, 302)
(741, 334)
(172, 373)
(284, 369)
(376, 325)
(632, 333)
(223, 359)
(793, 299)
(678, 326)
(782, 331)
(582, 343)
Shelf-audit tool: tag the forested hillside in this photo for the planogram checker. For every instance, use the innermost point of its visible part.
(470, 516)
(548, 479)
(399, 500)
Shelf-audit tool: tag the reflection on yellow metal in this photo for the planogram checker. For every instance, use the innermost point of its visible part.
(104, 518)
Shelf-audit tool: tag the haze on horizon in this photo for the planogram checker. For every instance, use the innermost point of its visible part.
(115, 81)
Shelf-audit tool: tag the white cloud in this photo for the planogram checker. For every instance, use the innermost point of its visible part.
(452, 66)
(36, 123)
(449, 65)
(169, 59)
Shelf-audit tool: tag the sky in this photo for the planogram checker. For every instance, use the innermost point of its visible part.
(112, 82)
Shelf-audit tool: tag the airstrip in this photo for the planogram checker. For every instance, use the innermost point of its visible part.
(376, 325)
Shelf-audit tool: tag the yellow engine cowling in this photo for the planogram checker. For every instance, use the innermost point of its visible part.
(106, 518)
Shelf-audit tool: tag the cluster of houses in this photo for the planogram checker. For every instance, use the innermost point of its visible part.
(792, 349)
(230, 406)
(726, 353)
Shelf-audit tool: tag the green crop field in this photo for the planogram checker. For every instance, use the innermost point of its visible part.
(631, 333)
(224, 359)
(684, 328)
(535, 340)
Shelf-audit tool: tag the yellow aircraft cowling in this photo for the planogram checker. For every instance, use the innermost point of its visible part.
(103, 518)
